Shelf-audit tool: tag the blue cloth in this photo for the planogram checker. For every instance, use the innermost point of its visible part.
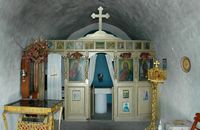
(102, 68)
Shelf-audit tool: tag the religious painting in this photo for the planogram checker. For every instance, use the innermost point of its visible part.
(110, 45)
(78, 45)
(144, 65)
(125, 106)
(77, 69)
(89, 45)
(145, 95)
(129, 45)
(120, 45)
(100, 45)
(164, 64)
(59, 45)
(50, 44)
(69, 45)
(146, 45)
(125, 70)
(138, 45)
(76, 95)
(125, 93)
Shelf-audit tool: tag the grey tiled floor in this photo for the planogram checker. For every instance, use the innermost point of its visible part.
(103, 125)
(103, 122)
(105, 116)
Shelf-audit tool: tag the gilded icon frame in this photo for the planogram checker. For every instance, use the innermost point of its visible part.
(185, 64)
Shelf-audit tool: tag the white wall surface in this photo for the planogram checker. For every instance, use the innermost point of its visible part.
(10, 55)
(177, 35)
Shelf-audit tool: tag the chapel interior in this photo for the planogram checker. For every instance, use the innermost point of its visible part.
(99, 65)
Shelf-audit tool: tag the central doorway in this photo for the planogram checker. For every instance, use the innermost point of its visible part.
(102, 104)
(101, 100)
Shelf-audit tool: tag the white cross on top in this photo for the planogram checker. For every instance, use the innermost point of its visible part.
(100, 16)
(156, 63)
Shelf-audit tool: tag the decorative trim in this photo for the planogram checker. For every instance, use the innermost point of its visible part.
(37, 51)
(125, 55)
(185, 64)
(145, 55)
(76, 55)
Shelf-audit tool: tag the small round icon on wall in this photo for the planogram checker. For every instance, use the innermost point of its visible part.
(185, 64)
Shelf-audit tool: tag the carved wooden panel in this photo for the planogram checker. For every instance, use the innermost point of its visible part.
(144, 100)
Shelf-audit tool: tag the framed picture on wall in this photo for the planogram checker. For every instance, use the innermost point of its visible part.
(89, 45)
(59, 45)
(110, 45)
(77, 69)
(125, 70)
(145, 95)
(125, 106)
(164, 64)
(120, 45)
(125, 93)
(144, 65)
(78, 45)
(100, 45)
(146, 45)
(76, 95)
(69, 45)
(51, 44)
(129, 45)
(138, 45)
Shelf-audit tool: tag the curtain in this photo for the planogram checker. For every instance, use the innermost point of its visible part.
(91, 69)
(54, 77)
(110, 67)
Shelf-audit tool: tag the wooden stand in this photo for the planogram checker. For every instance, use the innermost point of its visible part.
(37, 54)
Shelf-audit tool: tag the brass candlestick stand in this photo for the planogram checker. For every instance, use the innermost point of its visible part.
(155, 76)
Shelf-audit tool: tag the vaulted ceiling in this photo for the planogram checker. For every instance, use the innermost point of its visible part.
(23, 20)
(57, 19)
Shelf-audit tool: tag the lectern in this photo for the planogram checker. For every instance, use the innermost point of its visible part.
(155, 76)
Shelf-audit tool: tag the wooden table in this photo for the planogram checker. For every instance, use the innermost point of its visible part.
(35, 107)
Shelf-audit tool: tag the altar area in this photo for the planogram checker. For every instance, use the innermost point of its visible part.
(135, 92)
(73, 74)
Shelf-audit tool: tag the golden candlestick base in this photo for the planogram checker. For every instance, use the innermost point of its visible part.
(155, 76)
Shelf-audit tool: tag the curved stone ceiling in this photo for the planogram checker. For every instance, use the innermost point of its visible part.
(57, 19)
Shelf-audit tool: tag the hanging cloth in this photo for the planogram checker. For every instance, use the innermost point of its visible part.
(54, 77)
(91, 69)
(110, 66)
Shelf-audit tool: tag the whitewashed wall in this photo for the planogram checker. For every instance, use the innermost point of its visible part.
(10, 55)
(178, 34)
